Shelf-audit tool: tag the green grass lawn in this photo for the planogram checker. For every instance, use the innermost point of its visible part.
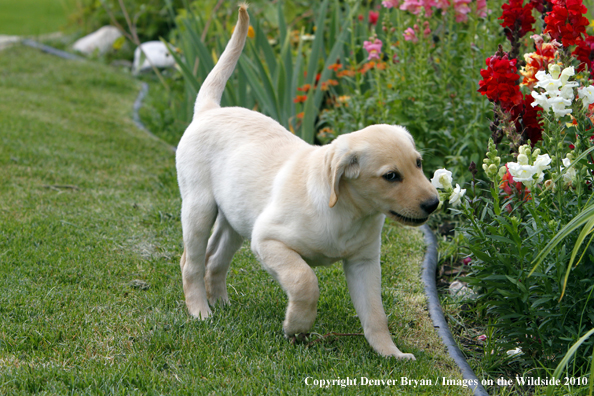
(90, 288)
(33, 17)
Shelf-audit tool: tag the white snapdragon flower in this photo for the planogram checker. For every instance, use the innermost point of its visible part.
(523, 159)
(542, 162)
(586, 95)
(559, 106)
(523, 172)
(570, 174)
(442, 178)
(566, 73)
(457, 194)
(558, 90)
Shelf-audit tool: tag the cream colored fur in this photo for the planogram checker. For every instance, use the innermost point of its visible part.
(300, 205)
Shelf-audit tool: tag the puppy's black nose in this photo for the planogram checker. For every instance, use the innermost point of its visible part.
(430, 205)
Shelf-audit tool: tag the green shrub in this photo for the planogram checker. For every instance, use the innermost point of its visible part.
(151, 18)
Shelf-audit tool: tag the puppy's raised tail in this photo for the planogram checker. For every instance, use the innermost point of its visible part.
(211, 91)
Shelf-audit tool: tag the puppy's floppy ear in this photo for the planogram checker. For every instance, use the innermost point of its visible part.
(345, 163)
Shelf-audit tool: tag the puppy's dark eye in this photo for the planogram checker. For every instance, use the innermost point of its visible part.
(392, 176)
(419, 163)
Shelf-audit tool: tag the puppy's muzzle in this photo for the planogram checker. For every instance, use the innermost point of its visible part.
(430, 205)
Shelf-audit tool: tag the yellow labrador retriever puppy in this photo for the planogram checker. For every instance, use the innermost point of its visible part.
(300, 205)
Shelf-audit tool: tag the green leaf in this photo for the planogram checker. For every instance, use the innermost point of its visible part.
(266, 79)
(282, 24)
(262, 96)
(318, 44)
(263, 46)
(563, 364)
(187, 73)
(583, 217)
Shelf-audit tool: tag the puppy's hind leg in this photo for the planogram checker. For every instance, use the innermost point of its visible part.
(197, 220)
(222, 245)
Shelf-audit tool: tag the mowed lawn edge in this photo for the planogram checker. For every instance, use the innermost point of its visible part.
(90, 289)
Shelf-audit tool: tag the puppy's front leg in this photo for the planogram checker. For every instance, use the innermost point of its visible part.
(296, 278)
(364, 282)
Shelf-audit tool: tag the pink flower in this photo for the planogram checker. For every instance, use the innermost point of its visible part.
(481, 8)
(427, 30)
(410, 35)
(391, 3)
(373, 16)
(374, 48)
(482, 337)
(461, 10)
(466, 260)
(412, 6)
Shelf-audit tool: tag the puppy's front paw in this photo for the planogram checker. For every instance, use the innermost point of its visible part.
(393, 351)
(298, 338)
(199, 311)
(404, 356)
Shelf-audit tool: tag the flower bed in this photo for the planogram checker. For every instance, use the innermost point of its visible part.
(530, 267)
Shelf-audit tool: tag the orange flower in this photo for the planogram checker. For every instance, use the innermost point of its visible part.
(304, 88)
(325, 133)
(324, 86)
(335, 66)
(332, 82)
(299, 115)
(381, 66)
(539, 60)
(366, 67)
(347, 73)
(343, 100)
(300, 98)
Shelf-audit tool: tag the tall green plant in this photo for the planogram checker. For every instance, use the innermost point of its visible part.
(267, 76)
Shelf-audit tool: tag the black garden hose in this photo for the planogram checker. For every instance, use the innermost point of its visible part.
(436, 313)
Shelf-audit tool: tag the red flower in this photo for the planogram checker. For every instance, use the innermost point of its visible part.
(527, 120)
(537, 5)
(373, 16)
(499, 81)
(584, 52)
(517, 16)
(566, 23)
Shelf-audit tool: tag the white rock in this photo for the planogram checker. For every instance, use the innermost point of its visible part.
(458, 289)
(7, 41)
(156, 51)
(102, 41)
